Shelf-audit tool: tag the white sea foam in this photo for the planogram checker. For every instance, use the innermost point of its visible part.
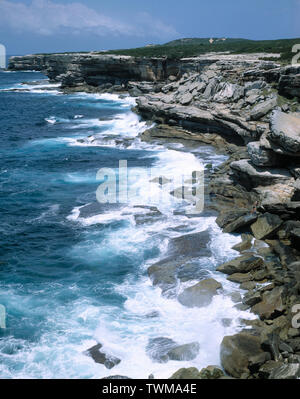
(110, 98)
(51, 120)
(47, 88)
(127, 335)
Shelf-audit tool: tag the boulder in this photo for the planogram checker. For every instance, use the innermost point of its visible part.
(261, 156)
(158, 348)
(229, 92)
(253, 98)
(251, 285)
(227, 217)
(163, 273)
(211, 88)
(242, 264)
(236, 297)
(163, 349)
(252, 298)
(186, 99)
(263, 109)
(211, 373)
(185, 352)
(241, 222)
(272, 304)
(186, 374)
(279, 193)
(256, 85)
(289, 85)
(194, 244)
(266, 226)
(242, 354)
(102, 358)
(245, 245)
(208, 373)
(191, 271)
(285, 131)
(240, 278)
(200, 294)
(285, 252)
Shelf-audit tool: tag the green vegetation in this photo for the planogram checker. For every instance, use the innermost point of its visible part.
(292, 103)
(194, 47)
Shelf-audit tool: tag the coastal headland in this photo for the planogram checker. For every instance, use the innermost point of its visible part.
(246, 106)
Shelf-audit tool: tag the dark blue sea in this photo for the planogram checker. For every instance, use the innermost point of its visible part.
(73, 272)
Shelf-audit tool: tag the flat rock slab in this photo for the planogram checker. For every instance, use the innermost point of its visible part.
(190, 244)
(254, 176)
(242, 264)
(163, 273)
(201, 294)
(102, 358)
(162, 349)
(185, 352)
(240, 278)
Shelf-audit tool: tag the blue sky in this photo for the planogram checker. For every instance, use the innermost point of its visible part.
(29, 26)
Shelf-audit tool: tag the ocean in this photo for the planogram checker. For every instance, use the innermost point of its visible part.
(73, 272)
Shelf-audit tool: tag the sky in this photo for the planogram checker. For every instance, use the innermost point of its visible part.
(31, 26)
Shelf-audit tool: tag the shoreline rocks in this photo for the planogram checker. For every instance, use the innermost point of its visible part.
(101, 357)
(201, 294)
(244, 108)
(162, 350)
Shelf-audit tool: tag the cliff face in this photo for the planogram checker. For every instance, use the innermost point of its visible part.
(96, 69)
(73, 69)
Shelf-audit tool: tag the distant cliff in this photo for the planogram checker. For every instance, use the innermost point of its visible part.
(95, 69)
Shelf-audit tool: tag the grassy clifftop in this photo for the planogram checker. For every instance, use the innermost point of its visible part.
(191, 47)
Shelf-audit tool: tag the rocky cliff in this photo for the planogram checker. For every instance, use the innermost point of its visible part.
(250, 109)
(96, 69)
